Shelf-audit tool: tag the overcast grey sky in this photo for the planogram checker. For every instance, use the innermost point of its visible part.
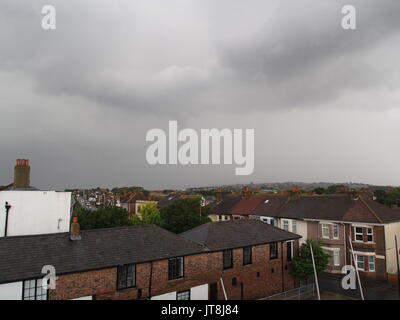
(78, 101)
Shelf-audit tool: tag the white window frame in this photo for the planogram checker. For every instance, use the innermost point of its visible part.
(326, 227)
(294, 226)
(357, 233)
(363, 262)
(335, 227)
(336, 258)
(371, 263)
(288, 225)
(370, 234)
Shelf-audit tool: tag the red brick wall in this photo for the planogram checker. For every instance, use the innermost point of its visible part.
(259, 279)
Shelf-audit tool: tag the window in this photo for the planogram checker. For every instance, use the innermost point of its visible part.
(286, 225)
(371, 263)
(272, 222)
(183, 295)
(325, 231)
(370, 234)
(336, 258)
(358, 234)
(228, 263)
(246, 255)
(335, 231)
(273, 251)
(294, 226)
(360, 262)
(33, 290)
(289, 250)
(175, 268)
(126, 276)
(234, 281)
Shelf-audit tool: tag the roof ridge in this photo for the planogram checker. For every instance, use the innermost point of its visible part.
(370, 209)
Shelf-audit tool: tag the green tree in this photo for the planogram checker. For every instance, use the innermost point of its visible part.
(319, 190)
(149, 214)
(184, 214)
(102, 218)
(302, 264)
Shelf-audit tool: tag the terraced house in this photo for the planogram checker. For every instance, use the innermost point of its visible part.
(233, 260)
(337, 221)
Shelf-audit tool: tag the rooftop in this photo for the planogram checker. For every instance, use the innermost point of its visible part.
(237, 233)
(24, 256)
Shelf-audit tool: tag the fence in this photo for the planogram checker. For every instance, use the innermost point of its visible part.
(300, 293)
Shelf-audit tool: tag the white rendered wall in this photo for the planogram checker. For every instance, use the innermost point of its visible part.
(11, 291)
(35, 212)
(196, 293)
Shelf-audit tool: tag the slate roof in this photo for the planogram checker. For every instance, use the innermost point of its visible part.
(246, 205)
(339, 208)
(225, 205)
(334, 208)
(236, 234)
(168, 200)
(270, 206)
(22, 257)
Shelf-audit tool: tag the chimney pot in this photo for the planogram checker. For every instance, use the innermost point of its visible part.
(22, 174)
(75, 232)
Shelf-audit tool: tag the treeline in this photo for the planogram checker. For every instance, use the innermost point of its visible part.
(388, 197)
(179, 216)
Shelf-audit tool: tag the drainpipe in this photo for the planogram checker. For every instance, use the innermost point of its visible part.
(283, 271)
(151, 277)
(345, 245)
(8, 207)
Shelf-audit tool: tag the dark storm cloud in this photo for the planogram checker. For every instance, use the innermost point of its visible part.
(85, 94)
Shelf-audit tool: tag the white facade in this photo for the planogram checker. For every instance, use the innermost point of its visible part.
(392, 230)
(11, 291)
(196, 293)
(35, 212)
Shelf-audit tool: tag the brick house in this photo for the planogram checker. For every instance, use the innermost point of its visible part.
(330, 220)
(334, 220)
(133, 201)
(148, 262)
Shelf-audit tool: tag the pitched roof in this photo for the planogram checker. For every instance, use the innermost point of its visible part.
(168, 200)
(133, 197)
(237, 233)
(24, 256)
(225, 205)
(339, 208)
(324, 208)
(270, 206)
(247, 205)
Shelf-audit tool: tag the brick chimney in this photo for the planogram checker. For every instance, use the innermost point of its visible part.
(75, 231)
(218, 194)
(354, 194)
(22, 174)
(246, 192)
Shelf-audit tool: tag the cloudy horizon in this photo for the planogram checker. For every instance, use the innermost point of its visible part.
(324, 102)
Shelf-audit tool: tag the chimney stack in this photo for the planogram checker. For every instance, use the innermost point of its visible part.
(22, 174)
(75, 232)
(218, 194)
(246, 192)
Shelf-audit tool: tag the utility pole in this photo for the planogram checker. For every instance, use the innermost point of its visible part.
(315, 271)
(355, 265)
(397, 260)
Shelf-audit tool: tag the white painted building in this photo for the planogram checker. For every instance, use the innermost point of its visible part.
(35, 212)
(195, 293)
